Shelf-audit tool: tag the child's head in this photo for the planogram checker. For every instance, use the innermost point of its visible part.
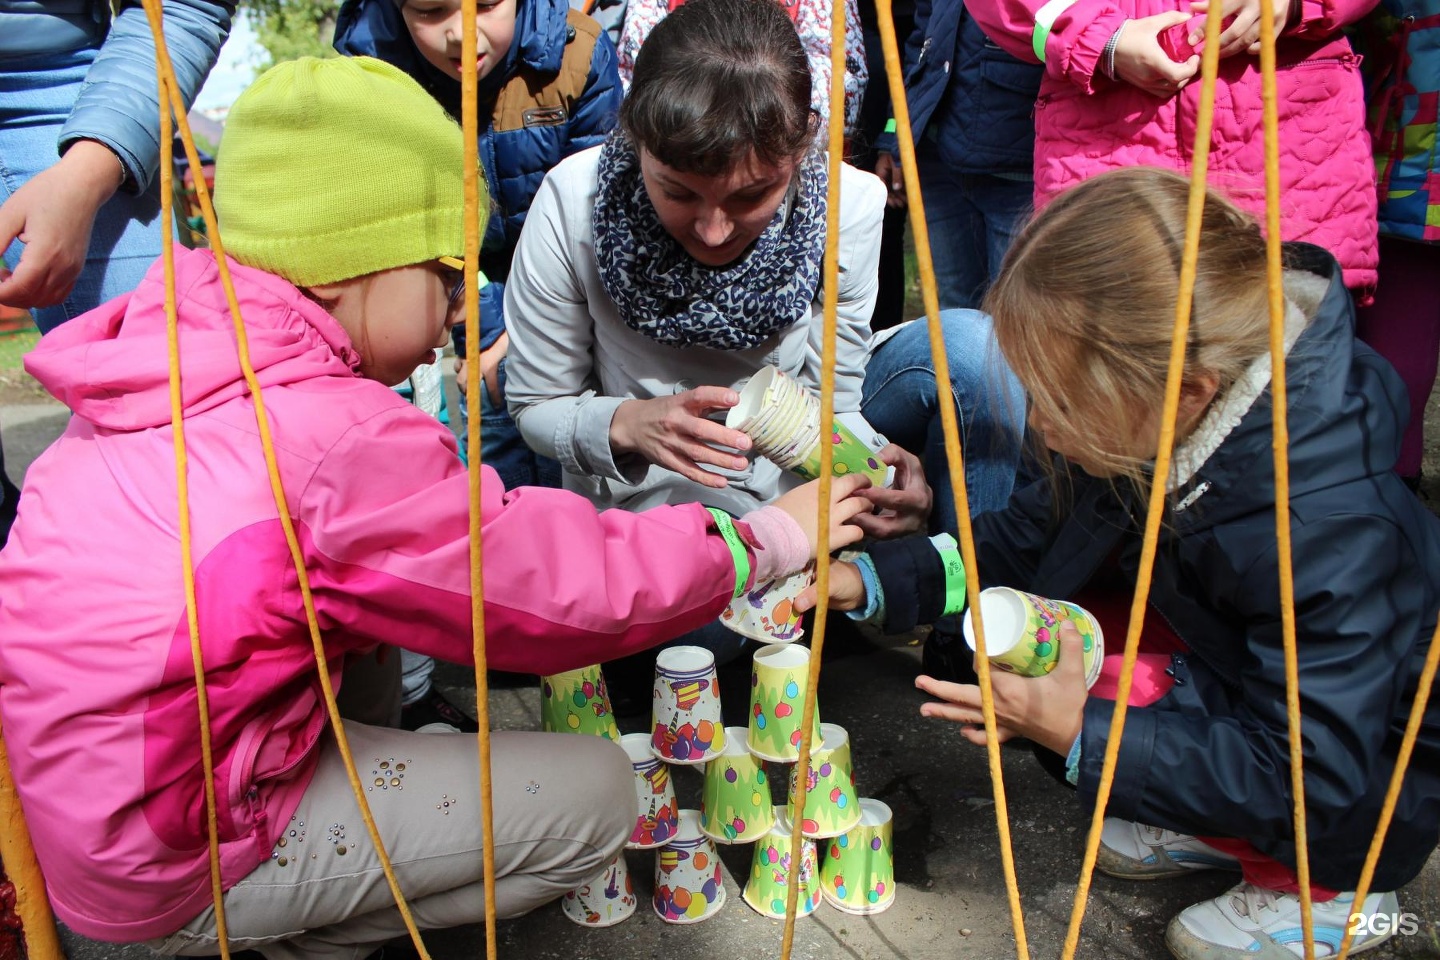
(436, 25)
(344, 177)
(719, 112)
(1085, 312)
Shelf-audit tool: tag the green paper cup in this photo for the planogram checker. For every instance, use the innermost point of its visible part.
(779, 676)
(735, 806)
(766, 889)
(576, 702)
(1022, 632)
(851, 456)
(858, 875)
(831, 807)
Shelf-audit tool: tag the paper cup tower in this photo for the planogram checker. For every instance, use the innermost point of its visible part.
(576, 702)
(782, 418)
(859, 871)
(686, 720)
(831, 807)
(605, 900)
(767, 612)
(735, 806)
(1022, 632)
(689, 879)
(770, 873)
(657, 815)
(778, 679)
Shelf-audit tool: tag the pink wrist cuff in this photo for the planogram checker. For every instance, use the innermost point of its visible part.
(781, 547)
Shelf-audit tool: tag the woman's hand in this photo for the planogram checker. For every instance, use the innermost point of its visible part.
(904, 506)
(1242, 34)
(1141, 62)
(52, 215)
(803, 504)
(1048, 710)
(847, 589)
(888, 169)
(673, 432)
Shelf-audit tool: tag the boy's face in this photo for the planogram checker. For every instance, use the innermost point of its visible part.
(435, 26)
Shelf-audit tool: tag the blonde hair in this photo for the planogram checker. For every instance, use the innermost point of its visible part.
(1084, 307)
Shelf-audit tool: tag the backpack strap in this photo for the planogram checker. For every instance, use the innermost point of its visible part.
(535, 100)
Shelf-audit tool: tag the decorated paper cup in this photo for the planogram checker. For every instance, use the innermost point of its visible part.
(576, 702)
(735, 806)
(851, 455)
(770, 873)
(605, 900)
(686, 707)
(858, 875)
(778, 679)
(657, 814)
(767, 613)
(831, 807)
(689, 880)
(1022, 632)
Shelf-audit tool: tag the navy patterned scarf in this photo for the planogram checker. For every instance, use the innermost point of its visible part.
(670, 297)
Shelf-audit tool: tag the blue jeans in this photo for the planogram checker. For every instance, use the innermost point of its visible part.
(901, 401)
(972, 220)
(36, 96)
(502, 447)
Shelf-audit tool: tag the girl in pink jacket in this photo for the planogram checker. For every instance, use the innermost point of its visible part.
(1112, 96)
(339, 190)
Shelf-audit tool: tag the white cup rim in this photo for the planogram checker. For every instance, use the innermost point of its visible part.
(637, 747)
(684, 660)
(782, 656)
(874, 813)
(1004, 612)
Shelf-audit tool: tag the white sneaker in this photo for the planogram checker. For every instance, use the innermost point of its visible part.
(1252, 923)
(1135, 851)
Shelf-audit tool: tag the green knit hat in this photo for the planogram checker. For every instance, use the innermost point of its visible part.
(331, 169)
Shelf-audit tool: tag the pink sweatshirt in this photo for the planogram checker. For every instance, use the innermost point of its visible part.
(96, 686)
(1086, 123)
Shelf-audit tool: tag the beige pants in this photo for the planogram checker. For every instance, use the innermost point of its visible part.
(564, 806)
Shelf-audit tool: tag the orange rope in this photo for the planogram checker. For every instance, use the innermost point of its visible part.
(37, 923)
(170, 90)
(1156, 511)
(1392, 795)
(831, 284)
(954, 457)
(1275, 282)
(469, 119)
(182, 490)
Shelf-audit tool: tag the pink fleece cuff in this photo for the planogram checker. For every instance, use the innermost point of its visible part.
(781, 547)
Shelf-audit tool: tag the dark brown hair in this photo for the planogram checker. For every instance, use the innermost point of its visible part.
(716, 80)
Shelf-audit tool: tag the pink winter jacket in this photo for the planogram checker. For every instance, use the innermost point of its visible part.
(1086, 123)
(97, 692)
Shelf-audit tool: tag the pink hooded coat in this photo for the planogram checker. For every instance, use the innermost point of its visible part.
(97, 689)
(1086, 123)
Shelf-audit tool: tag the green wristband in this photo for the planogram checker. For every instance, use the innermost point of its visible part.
(949, 551)
(738, 551)
(890, 125)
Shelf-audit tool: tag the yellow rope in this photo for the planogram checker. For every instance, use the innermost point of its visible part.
(831, 283)
(1397, 778)
(170, 90)
(1155, 514)
(469, 119)
(954, 457)
(37, 923)
(182, 490)
(1275, 282)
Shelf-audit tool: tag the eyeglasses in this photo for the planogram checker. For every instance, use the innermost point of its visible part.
(457, 292)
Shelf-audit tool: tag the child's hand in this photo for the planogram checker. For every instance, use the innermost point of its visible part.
(675, 433)
(904, 505)
(1048, 710)
(803, 505)
(1141, 62)
(847, 589)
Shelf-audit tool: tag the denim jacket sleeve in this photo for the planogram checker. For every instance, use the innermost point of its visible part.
(119, 105)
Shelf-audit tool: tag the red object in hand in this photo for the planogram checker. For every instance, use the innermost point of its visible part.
(1175, 41)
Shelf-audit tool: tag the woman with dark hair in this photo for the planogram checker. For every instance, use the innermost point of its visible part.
(658, 272)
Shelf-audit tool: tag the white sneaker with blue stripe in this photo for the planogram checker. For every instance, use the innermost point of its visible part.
(1136, 851)
(1252, 923)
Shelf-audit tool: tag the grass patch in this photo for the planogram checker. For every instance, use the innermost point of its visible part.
(13, 347)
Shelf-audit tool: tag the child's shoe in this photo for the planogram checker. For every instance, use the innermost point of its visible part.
(1135, 851)
(1252, 923)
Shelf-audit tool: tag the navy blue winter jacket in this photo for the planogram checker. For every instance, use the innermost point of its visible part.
(119, 105)
(1211, 757)
(515, 161)
(975, 100)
